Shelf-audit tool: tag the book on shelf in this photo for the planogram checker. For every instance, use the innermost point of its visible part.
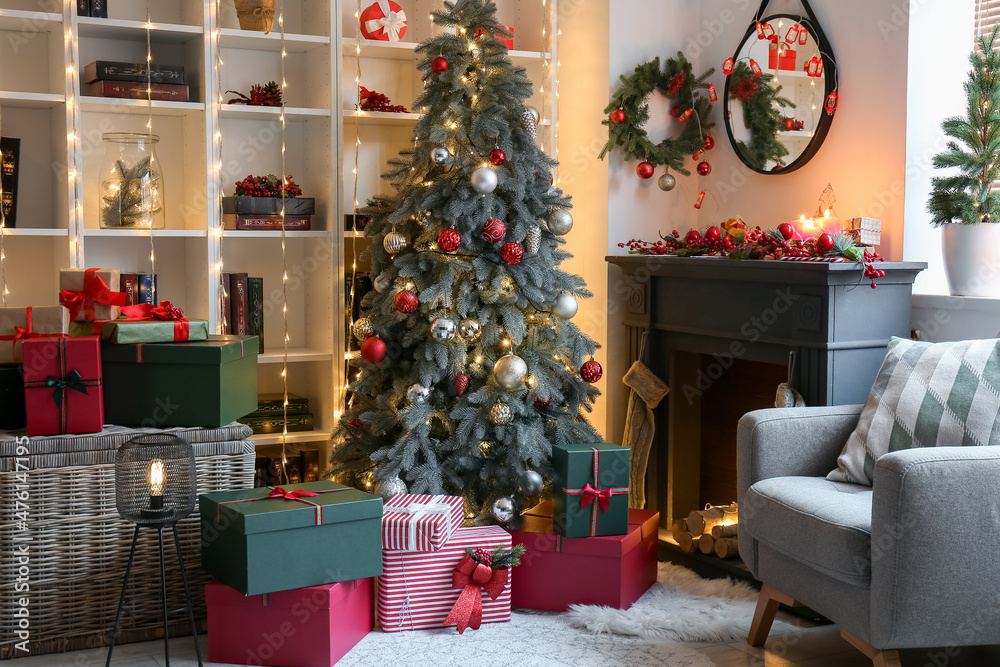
(239, 305)
(276, 423)
(276, 465)
(255, 297)
(112, 70)
(227, 327)
(265, 222)
(137, 91)
(129, 284)
(83, 7)
(310, 464)
(10, 161)
(99, 9)
(147, 288)
(270, 405)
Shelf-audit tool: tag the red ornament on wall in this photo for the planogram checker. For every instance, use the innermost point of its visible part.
(755, 68)
(727, 67)
(701, 198)
(591, 371)
(406, 302)
(618, 117)
(449, 240)
(439, 65)
(712, 95)
(497, 157)
(684, 116)
(831, 103)
(704, 168)
(709, 143)
(373, 350)
(494, 230)
(645, 170)
(512, 253)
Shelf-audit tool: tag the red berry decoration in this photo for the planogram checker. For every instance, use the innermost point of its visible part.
(449, 240)
(712, 234)
(618, 117)
(709, 143)
(512, 253)
(675, 112)
(645, 170)
(406, 302)
(591, 371)
(373, 350)
(704, 168)
(439, 65)
(484, 556)
(494, 230)
(824, 244)
(786, 231)
(539, 403)
(693, 236)
(461, 384)
(497, 157)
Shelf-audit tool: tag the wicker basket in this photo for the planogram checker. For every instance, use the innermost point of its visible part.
(79, 545)
(255, 14)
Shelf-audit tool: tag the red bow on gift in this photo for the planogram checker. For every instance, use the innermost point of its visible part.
(278, 492)
(474, 579)
(95, 290)
(602, 496)
(164, 312)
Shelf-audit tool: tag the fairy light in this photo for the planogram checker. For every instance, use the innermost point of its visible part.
(70, 48)
(222, 289)
(149, 131)
(284, 254)
(3, 234)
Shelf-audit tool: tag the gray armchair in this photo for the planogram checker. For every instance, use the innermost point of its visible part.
(912, 562)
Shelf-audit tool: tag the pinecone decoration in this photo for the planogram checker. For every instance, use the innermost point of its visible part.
(528, 121)
(271, 94)
(533, 241)
(484, 556)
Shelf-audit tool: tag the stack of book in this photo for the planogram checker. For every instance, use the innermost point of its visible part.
(269, 417)
(244, 306)
(10, 158)
(139, 288)
(295, 465)
(108, 78)
(97, 9)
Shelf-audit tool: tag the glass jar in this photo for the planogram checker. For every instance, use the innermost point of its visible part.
(131, 182)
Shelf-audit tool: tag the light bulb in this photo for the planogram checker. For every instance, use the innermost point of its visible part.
(157, 479)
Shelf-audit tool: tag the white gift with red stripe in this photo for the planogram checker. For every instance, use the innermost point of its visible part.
(418, 522)
(415, 591)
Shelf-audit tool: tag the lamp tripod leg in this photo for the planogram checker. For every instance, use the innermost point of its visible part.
(163, 591)
(121, 599)
(187, 596)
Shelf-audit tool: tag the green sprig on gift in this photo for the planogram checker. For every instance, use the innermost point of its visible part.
(500, 558)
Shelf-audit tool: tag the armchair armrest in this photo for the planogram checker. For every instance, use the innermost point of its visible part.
(935, 540)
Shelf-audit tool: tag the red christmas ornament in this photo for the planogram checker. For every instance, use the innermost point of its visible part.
(712, 95)
(406, 302)
(591, 371)
(709, 143)
(713, 234)
(701, 198)
(693, 236)
(494, 230)
(373, 350)
(704, 168)
(755, 68)
(675, 111)
(831, 103)
(676, 82)
(449, 240)
(618, 117)
(356, 424)
(789, 123)
(697, 156)
(539, 403)
(645, 170)
(727, 67)
(684, 116)
(746, 88)
(497, 157)
(786, 231)
(439, 65)
(512, 253)
(824, 244)
(461, 384)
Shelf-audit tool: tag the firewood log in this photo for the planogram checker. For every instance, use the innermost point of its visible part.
(678, 528)
(728, 530)
(727, 547)
(688, 543)
(702, 521)
(706, 544)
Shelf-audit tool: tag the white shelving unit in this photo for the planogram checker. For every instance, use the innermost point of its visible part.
(321, 43)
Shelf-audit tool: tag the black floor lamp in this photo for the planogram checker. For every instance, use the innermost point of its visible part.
(156, 486)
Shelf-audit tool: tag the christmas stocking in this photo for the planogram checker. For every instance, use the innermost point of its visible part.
(647, 392)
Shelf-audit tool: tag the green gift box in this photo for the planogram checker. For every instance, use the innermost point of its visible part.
(12, 414)
(124, 332)
(590, 489)
(261, 544)
(208, 383)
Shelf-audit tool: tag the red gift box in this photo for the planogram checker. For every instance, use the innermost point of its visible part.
(417, 589)
(415, 522)
(557, 571)
(305, 627)
(384, 21)
(62, 385)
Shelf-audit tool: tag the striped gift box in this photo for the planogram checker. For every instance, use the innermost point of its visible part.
(417, 522)
(415, 590)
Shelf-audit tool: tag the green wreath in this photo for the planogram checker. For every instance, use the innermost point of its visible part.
(762, 115)
(675, 82)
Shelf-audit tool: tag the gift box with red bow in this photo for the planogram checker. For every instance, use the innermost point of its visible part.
(557, 571)
(426, 590)
(272, 539)
(590, 489)
(62, 385)
(146, 323)
(20, 324)
(384, 20)
(90, 294)
(415, 522)
(305, 627)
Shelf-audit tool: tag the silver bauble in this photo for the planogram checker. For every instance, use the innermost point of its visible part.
(533, 239)
(484, 180)
(509, 371)
(504, 510)
(440, 155)
(535, 116)
(443, 328)
(533, 483)
(387, 488)
(529, 124)
(560, 222)
(417, 393)
(470, 330)
(382, 283)
(566, 306)
(501, 414)
(667, 182)
(394, 242)
(363, 329)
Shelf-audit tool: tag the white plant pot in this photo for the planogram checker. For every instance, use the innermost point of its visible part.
(972, 259)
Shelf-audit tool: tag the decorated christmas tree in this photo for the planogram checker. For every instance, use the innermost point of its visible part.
(471, 368)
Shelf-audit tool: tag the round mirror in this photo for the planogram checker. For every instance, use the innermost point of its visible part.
(777, 109)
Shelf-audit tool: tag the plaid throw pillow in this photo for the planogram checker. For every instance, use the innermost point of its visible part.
(925, 395)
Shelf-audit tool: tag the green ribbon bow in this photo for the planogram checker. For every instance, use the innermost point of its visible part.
(73, 381)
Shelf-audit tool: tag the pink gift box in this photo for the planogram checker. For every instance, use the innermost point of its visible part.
(416, 591)
(305, 627)
(416, 522)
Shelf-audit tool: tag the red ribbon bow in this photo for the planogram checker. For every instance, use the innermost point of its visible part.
(26, 333)
(278, 492)
(588, 494)
(474, 579)
(164, 312)
(95, 290)
(602, 496)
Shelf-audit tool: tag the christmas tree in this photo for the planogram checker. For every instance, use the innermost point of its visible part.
(471, 368)
(966, 196)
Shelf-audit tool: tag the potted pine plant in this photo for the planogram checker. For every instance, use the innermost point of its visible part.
(962, 202)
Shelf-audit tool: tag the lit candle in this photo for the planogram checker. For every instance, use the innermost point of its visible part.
(157, 479)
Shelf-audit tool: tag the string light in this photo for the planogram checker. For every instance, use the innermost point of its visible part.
(3, 235)
(284, 254)
(149, 131)
(222, 288)
(75, 225)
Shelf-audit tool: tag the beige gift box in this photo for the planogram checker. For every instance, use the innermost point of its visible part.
(45, 320)
(95, 304)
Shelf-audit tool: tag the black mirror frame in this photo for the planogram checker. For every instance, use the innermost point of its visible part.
(829, 70)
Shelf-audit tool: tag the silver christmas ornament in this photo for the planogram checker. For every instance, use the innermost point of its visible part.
(560, 222)
(443, 328)
(484, 180)
(470, 330)
(535, 116)
(501, 414)
(533, 483)
(363, 329)
(667, 182)
(382, 283)
(530, 126)
(394, 242)
(566, 306)
(533, 239)
(387, 488)
(440, 155)
(509, 371)
(418, 393)
(504, 510)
